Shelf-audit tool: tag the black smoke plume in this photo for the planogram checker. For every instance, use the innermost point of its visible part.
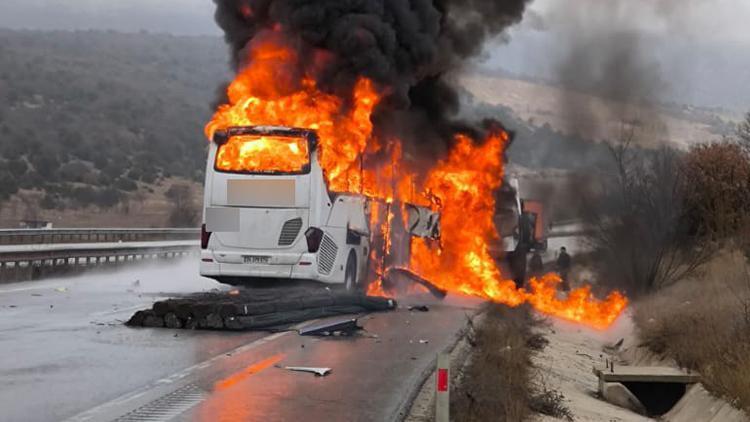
(408, 47)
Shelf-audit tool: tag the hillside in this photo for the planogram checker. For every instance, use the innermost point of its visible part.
(592, 117)
(96, 127)
(88, 117)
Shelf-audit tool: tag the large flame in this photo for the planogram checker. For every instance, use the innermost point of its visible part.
(262, 95)
(461, 187)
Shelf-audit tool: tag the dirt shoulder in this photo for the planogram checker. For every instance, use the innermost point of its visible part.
(565, 365)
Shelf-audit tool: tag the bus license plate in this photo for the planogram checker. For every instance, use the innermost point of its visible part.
(254, 259)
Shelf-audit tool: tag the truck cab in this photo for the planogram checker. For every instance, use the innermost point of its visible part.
(522, 229)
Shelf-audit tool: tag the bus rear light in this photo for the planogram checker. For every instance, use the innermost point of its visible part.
(314, 236)
(205, 237)
(305, 264)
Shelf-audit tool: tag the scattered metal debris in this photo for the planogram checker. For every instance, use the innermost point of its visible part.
(419, 308)
(613, 348)
(330, 328)
(404, 272)
(319, 372)
(584, 354)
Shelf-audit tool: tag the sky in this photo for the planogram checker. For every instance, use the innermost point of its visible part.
(700, 49)
(701, 46)
(180, 17)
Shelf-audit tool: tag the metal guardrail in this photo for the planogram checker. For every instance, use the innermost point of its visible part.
(56, 236)
(91, 253)
(35, 253)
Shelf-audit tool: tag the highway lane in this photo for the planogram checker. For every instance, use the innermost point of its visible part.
(58, 357)
(69, 356)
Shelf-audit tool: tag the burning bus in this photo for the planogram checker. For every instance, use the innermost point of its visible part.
(269, 214)
(309, 175)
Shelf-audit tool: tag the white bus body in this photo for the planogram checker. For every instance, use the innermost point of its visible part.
(285, 226)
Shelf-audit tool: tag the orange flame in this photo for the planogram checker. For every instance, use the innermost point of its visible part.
(263, 94)
(272, 90)
(462, 188)
(376, 289)
(263, 154)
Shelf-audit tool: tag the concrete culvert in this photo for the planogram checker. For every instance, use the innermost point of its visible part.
(657, 398)
(653, 391)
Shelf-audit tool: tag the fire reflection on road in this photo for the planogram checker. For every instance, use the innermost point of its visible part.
(229, 402)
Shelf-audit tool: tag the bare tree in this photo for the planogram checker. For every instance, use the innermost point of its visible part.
(743, 133)
(639, 235)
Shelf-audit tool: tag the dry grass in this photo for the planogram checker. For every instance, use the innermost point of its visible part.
(496, 382)
(704, 325)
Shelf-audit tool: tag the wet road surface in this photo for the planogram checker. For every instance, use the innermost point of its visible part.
(68, 356)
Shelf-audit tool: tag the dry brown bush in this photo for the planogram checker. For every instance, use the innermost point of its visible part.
(743, 133)
(717, 189)
(704, 324)
(496, 382)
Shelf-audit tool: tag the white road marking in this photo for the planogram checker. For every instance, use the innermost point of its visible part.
(98, 412)
(26, 289)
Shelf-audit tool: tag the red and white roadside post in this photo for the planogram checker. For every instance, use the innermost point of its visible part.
(442, 388)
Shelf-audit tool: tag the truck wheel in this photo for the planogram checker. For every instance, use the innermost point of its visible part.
(350, 276)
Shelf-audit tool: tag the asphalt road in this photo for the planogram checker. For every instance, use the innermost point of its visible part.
(67, 356)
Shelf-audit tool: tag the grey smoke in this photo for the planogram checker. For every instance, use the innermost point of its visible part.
(610, 57)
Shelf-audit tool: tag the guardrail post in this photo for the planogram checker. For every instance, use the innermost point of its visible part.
(442, 388)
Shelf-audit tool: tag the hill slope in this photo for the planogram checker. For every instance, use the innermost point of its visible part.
(88, 116)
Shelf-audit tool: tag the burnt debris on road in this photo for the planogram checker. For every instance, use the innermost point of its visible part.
(264, 309)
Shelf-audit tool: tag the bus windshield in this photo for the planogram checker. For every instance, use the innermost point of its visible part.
(264, 154)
